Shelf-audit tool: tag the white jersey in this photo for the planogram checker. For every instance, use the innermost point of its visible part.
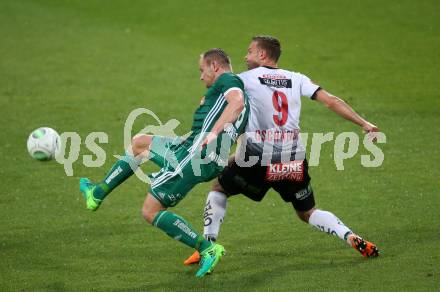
(275, 103)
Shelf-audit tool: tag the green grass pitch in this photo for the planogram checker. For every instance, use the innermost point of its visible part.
(84, 65)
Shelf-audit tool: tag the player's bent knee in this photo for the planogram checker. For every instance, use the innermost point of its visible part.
(216, 187)
(141, 140)
(150, 208)
(148, 214)
(140, 143)
(305, 215)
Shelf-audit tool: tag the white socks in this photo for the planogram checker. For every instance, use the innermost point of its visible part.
(215, 210)
(329, 223)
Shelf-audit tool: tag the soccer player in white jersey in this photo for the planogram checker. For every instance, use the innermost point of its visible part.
(272, 135)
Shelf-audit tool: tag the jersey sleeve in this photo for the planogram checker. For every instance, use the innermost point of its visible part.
(308, 88)
(230, 82)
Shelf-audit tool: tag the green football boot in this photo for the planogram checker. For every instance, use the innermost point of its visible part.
(86, 187)
(209, 259)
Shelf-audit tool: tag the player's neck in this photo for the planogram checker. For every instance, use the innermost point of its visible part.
(269, 64)
(222, 71)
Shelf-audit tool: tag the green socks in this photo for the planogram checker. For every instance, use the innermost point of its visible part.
(177, 228)
(119, 172)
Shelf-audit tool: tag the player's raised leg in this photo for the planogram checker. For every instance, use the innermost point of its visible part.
(327, 222)
(178, 228)
(121, 170)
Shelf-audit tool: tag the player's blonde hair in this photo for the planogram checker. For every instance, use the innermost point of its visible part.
(217, 55)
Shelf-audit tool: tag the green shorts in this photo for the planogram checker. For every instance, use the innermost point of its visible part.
(178, 174)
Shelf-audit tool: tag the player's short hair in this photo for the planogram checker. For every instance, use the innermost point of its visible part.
(217, 55)
(270, 44)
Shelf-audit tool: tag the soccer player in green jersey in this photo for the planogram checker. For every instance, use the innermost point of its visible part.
(220, 118)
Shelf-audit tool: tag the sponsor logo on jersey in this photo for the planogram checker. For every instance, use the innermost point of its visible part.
(276, 82)
(113, 175)
(293, 170)
(274, 76)
(275, 135)
(202, 101)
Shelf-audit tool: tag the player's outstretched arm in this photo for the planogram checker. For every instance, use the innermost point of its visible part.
(230, 114)
(344, 110)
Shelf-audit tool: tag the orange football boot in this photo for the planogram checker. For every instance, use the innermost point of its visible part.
(366, 248)
(193, 259)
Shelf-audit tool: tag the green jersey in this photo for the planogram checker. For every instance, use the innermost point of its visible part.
(212, 106)
(181, 166)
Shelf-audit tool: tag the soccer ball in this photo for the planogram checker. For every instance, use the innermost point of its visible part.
(43, 143)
